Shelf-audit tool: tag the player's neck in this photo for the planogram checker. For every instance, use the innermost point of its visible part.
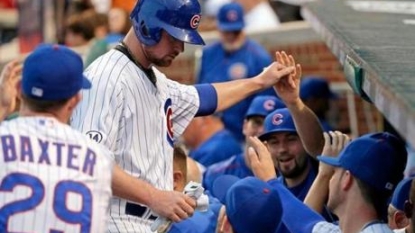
(136, 50)
(355, 214)
(26, 112)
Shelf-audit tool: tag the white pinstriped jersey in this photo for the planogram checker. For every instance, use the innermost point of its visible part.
(52, 179)
(137, 121)
(326, 227)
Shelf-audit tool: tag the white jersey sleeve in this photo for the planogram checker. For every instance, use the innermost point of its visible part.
(185, 104)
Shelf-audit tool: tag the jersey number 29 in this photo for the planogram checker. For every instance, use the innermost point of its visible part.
(60, 208)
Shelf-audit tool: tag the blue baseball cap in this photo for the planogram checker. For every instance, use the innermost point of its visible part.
(401, 194)
(251, 204)
(277, 121)
(377, 159)
(316, 87)
(231, 17)
(262, 105)
(53, 72)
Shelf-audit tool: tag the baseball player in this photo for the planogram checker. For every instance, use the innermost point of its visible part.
(397, 216)
(234, 57)
(365, 174)
(52, 178)
(8, 79)
(137, 112)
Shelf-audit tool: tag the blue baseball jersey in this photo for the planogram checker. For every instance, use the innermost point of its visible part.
(218, 65)
(235, 165)
(219, 147)
(200, 222)
(300, 191)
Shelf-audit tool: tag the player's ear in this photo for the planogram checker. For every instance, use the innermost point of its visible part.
(74, 100)
(346, 180)
(400, 219)
(178, 180)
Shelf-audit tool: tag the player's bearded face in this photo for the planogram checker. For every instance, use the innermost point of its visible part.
(163, 53)
(232, 40)
(288, 154)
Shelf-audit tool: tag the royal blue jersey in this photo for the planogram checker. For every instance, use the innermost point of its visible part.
(217, 65)
(235, 165)
(219, 147)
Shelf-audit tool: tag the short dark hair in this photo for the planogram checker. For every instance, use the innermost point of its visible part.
(39, 105)
(376, 198)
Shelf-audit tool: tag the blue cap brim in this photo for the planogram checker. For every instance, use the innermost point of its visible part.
(266, 135)
(227, 27)
(332, 161)
(187, 36)
(86, 84)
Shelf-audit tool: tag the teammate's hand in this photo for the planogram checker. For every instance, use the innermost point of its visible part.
(334, 142)
(260, 160)
(273, 73)
(8, 92)
(288, 88)
(173, 205)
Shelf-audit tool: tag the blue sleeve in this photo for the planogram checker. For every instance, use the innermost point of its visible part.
(295, 211)
(208, 99)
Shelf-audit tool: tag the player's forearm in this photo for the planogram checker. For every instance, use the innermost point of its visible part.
(308, 127)
(318, 193)
(230, 93)
(295, 211)
(128, 187)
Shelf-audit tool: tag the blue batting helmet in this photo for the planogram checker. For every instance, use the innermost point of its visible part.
(179, 18)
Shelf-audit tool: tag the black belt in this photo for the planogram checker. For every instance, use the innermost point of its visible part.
(137, 210)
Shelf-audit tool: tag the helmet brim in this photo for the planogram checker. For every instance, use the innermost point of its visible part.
(185, 35)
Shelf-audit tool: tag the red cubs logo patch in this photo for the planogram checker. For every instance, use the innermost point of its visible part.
(269, 105)
(277, 119)
(194, 22)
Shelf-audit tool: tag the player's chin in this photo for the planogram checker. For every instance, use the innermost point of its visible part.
(164, 62)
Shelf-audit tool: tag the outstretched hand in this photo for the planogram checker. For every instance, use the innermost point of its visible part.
(273, 74)
(260, 160)
(8, 92)
(288, 87)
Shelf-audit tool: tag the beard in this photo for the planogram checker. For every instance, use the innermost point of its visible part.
(299, 168)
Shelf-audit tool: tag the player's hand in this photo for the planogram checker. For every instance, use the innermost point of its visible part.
(173, 205)
(260, 160)
(272, 74)
(334, 142)
(288, 88)
(8, 90)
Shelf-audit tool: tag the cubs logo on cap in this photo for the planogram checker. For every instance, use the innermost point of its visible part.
(278, 121)
(231, 17)
(194, 21)
(262, 105)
